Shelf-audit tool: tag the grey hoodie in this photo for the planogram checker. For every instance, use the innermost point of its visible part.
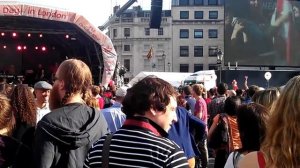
(64, 136)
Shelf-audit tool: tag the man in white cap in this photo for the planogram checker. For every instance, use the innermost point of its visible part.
(42, 93)
(114, 115)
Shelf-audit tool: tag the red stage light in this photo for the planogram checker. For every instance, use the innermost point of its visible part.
(41, 35)
(19, 48)
(36, 47)
(4, 46)
(14, 34)
(43, 48)
(24, 47)
(2, 34)
(67, 36)
(28, 35)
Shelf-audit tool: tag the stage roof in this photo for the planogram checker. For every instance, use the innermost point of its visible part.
(55, 23)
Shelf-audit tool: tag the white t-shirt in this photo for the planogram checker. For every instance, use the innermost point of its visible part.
(229, 162)
(41, 112)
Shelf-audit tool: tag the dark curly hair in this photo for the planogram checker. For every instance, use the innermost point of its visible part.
(23, 104)
(150, 92)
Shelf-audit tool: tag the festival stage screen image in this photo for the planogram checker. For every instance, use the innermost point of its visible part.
(262, 32)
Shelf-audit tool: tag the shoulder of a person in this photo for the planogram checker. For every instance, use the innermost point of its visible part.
(249, 161)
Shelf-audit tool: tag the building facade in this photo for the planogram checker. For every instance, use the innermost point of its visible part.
(198, 33)
(188, 40)
(133, 39)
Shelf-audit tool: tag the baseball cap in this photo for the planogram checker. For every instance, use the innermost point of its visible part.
(121, 92)
(42, 85)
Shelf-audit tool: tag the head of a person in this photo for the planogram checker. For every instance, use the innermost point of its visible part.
(73, 77)
(7, 120)
(239, 92)
(121, 93)
(251, 90)
(231, 105)
(95, 90)
(181, 101)
(198, 90)
(42, 91)
(266, 97)
(187, 90)
(282, 143)
(252, 121)
(153, 98)
(222, 88)
(230, 93)
(23, 104)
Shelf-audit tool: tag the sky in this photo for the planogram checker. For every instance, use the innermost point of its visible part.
(96, 11)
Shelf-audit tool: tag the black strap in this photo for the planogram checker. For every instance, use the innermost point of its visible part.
(235, 158)
(105, 151)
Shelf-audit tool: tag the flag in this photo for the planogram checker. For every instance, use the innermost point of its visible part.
(150, 53)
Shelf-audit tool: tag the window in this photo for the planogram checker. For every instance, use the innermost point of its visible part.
(160, 46)
(126, 47)
(184, 51)
(184, 68)
(212, 2)
(115, 33)
(198, 2)
(198, 51)
(147, 31)
(212, 51)
(184, 33)
(127, 32)
(212, 67)
(127, 64)
(183, 2)
(160, 31)
(198, 15)
(198, 33)
(198, 67)
(213, 33)
(213, 14)
(184, 14)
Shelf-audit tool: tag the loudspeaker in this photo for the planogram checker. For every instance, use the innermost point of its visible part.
(155, 16)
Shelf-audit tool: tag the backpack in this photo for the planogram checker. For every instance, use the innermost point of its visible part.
(220, 135)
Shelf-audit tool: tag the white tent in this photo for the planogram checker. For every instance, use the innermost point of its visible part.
(174, 78)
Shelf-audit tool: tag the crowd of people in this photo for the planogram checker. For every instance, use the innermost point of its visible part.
(75, 123)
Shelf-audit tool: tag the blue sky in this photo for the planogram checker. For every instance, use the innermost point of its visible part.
(96, 11)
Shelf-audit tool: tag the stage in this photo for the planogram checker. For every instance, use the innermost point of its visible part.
(32, 35)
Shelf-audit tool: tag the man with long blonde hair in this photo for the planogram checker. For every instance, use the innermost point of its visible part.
(64, 135)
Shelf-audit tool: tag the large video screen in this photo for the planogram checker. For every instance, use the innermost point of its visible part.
(262, 32)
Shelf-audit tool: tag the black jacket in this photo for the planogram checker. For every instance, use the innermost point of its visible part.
(64, 136)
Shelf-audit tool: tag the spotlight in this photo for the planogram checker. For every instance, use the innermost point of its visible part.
(14, 34)
(67, 36)
(2, 34)
(28, 35)
(41, 35)
(43, 48)
(36, 47)
(4, 46)
(24, 47)
(19, 48)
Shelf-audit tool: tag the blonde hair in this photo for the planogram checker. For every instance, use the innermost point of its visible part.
(198, 89)
(266, 97)
(282, 143)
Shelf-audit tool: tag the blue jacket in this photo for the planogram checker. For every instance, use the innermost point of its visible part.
(182, 132)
